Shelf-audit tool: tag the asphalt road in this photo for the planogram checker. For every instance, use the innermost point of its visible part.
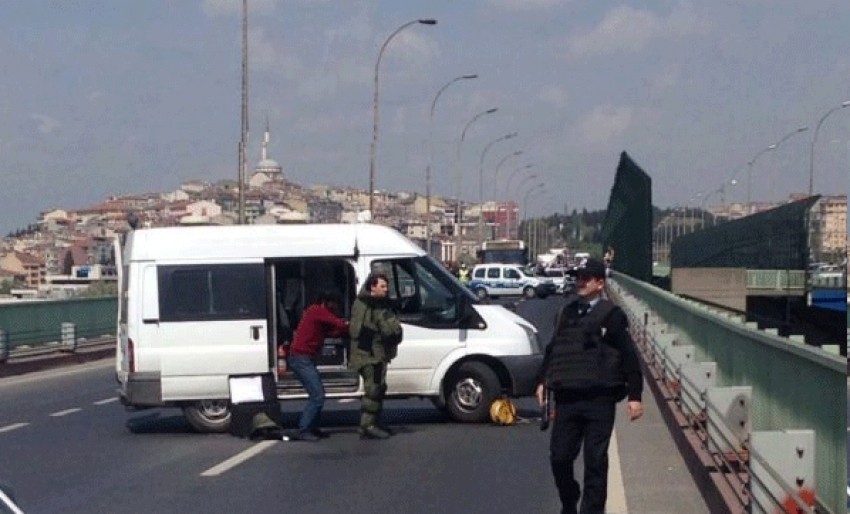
(66, 445)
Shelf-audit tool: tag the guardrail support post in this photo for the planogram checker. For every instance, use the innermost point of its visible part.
(4, 345)
(782, 469)
(69, 337)
(696, 378)
(728, 410)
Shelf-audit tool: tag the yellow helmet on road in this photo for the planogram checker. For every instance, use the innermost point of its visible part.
(503, 412)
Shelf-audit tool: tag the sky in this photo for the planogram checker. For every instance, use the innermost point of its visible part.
(101, 97)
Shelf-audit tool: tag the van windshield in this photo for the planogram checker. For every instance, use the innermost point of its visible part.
(421, 286)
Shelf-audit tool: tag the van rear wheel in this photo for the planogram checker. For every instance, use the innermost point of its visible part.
(529, 292)
(481, 293)
(208, 416)
(471, 390)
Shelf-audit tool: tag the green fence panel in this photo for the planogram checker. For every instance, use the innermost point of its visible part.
(628, 220)
(794, 386)
(774, 239)
(37, 322)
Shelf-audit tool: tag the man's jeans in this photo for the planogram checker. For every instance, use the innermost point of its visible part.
(591, 423)
(305, 369)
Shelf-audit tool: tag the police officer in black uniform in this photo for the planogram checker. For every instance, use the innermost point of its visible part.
(590, 365)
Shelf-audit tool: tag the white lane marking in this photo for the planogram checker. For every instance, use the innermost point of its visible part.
(616, 491)
(13, 426)
(237, 459)
(104, 402)
(66, 412)
(347, 400)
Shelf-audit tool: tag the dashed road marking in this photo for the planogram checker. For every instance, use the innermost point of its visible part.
(66, 412)
(104, 402)
(13, 426)
(237, 459)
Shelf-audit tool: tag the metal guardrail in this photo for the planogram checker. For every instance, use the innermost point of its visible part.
(794, 389)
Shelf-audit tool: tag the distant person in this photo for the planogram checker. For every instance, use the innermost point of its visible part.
(320, 321)
(590, 365)
(463, 274)
(375, 335)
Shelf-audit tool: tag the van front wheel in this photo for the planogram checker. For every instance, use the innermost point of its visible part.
(529, 292)
(472, 389)
(208, 416)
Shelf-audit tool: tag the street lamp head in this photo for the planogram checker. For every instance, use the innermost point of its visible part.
(428, 21)
(469, 76)
(802, 129)
(491, 111)
(518, 152)
(845, 103)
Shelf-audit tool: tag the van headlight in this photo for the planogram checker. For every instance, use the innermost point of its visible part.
(533, 341)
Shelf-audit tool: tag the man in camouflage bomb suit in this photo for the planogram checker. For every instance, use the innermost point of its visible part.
(375, 334)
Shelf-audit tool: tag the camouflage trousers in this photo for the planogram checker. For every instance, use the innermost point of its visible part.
(374, 389)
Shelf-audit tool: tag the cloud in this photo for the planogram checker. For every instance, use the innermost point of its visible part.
(46, 124)
(267, 56)
(604, 123)
(213, 8)
(554, 95)
(416, 50)
(626, 29)
(526, 5)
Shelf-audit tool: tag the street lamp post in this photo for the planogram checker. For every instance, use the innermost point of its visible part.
(535, 187)
(507, 192)
(814, 139)
(752, 161)
(458, 211)
(431, 159)
(481, 183)
(374, 147)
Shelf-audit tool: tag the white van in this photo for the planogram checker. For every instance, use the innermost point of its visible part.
(198, 305)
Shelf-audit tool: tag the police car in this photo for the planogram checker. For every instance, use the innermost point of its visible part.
(508, 280)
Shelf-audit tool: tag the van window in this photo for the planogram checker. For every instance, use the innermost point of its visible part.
(492, 272)
(212, 292)
(512, 274)
(479, 273)
(423, 291)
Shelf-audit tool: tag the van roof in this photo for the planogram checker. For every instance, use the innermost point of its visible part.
(266, 241)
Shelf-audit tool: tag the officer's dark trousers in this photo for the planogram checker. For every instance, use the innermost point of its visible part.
(587, 425)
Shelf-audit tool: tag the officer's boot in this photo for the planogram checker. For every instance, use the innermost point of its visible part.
(380, 423)
(368, 427)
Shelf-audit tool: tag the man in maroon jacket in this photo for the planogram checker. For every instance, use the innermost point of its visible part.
(319, 321)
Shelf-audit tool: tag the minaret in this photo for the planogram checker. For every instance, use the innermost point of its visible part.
(264, 154)
(269, 167)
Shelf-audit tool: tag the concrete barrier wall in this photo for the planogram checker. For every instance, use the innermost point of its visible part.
(721, 286)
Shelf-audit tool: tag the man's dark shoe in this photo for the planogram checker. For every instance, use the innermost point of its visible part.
(295, 435)
(321, 434)
(373, 432)
(388, 430)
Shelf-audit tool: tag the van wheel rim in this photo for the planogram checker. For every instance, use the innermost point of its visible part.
(469, 393)
(214, 409)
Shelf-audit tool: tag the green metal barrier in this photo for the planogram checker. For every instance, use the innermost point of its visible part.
(794, 386)
(34, 323)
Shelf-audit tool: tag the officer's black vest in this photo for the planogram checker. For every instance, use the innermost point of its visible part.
(579, 358)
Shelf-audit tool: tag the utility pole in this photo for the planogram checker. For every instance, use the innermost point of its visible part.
(243, 142)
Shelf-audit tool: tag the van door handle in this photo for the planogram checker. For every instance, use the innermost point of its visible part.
(255, 332)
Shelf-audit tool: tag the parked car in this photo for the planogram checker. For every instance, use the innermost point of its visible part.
(509, 280)
(564, 284)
